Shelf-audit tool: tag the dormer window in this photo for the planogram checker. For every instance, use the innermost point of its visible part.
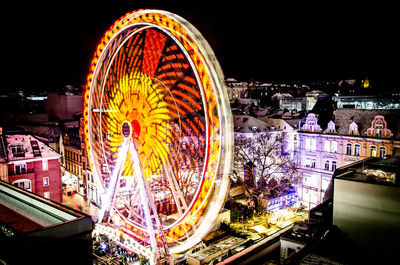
(353, 129)
(311, 123)
(331, 127)
(17, 150)
(379, 128)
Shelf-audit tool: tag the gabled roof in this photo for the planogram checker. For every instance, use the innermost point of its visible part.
(246, 123)
(29, 147)
(364, 118)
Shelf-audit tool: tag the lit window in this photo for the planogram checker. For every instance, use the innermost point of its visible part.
(372, 152)
(357, 149)
(313, 144)
(46, 181)
(308, 144)
(327, 146)
(45, 165)
(348, 148)
(334, 147)
(46, 194)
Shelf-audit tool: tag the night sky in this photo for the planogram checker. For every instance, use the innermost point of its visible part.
(46, 47)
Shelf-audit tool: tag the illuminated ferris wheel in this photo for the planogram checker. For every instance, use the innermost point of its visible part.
(158, 131)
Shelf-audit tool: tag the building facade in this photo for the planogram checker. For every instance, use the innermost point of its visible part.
(28, 163)
(72, 159)
(354, 136)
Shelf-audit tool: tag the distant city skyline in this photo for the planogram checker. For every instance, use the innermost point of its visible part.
(47, 48)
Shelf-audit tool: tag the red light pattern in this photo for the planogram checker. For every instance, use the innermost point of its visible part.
(155, 78)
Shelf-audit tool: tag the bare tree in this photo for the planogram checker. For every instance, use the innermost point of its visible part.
(262, 155)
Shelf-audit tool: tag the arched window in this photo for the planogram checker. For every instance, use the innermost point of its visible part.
(357, 149)
(372, 152)
(23, 184)
(348, 148)
(333, 165)
(327, 165)
(382, 151)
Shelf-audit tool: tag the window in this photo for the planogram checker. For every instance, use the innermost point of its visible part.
(327, 165)
(372, 152)
(46, 181)
(313, 144)
(334, 147)
(308, 144)
(348, 148)
(353, 129)
(333, 165)
(46, 194)
(357, 148)
(327, 146)
(17, 150)
(331, 127)
(45, 165)
(20, 169)
(310, 162)
(23, 184)
(382, 151)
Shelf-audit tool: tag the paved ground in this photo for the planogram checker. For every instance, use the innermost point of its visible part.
(77, 202)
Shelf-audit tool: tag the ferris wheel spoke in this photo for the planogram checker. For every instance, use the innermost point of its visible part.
(146, 198)
(153, 101)
(116, 174)
(177, 193)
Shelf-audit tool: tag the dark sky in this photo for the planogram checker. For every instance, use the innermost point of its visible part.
(46, 47)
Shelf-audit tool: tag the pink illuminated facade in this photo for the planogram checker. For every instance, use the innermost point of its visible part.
(28, 163)
(353, 136)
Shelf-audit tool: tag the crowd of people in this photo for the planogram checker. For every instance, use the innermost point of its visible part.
(107, 251)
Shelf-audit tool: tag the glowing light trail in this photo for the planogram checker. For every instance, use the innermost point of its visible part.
(158, 130)
(110, 192)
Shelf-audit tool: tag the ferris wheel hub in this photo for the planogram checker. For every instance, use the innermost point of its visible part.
(136, 129)
(131, 129)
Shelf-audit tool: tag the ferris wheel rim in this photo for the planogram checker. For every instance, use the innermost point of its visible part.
(189, 59)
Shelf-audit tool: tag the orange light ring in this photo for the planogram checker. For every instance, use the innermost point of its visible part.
(100, 48)
(173, 27)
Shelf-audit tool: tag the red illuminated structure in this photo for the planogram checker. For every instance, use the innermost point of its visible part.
(158, 132)
(28, 163)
